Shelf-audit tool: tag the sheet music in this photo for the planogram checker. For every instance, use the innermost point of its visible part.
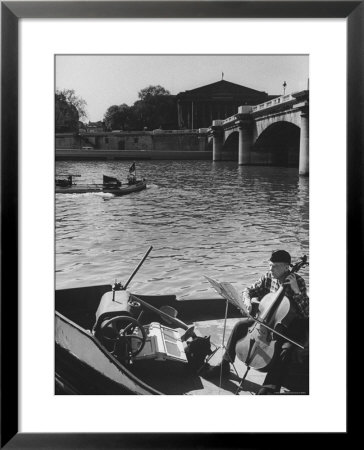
(228, 291)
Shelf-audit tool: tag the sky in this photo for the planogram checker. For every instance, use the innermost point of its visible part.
(106, 80)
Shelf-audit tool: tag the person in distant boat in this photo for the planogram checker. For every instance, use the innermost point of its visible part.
(132, 174)
(131, 178)
(278, 275)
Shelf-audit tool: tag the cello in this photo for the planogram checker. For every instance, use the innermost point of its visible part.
(276, 312)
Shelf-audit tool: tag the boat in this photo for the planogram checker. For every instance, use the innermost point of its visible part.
(109, 340)
(65, 184)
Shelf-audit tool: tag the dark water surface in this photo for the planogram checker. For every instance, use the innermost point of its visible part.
(201, 217)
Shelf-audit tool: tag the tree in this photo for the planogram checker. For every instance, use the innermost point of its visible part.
(117, 117)
(156, 107)
(71, 98)
(66, 116)
(156, 111)
(152, 91)
(69, 109)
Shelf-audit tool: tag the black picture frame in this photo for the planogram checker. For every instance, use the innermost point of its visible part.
(11, 13)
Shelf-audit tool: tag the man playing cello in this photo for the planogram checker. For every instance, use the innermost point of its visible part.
(295, 290)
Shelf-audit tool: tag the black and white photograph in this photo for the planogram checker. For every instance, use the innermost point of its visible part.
(182, 224)
(181, 199)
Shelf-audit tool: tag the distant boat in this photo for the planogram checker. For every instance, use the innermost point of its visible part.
(65, 184)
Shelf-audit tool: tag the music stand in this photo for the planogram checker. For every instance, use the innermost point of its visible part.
(229, 293)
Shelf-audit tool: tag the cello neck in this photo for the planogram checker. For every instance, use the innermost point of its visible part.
(275, 302)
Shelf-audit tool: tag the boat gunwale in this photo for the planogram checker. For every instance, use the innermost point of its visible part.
(108, 355)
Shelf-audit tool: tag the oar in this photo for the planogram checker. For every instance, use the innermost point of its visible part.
(137, 268)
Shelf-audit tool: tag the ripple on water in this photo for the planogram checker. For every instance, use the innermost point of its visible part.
(202, 218)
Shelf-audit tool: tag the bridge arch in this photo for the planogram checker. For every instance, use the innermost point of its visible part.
(230, 149)
(209, 146)
(287, 116)
(277, 145)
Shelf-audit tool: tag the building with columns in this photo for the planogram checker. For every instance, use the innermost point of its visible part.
(197, 108)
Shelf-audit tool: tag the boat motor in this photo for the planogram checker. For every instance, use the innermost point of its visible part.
(116, 303)
(116, 313)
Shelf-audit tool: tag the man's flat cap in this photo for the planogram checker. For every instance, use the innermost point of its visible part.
(281, 256)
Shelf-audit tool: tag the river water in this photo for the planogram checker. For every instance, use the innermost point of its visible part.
(202, 218)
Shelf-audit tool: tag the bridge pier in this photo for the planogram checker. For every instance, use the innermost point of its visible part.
(245, 126)
(304, 145)
(217, 142)
(245, 142)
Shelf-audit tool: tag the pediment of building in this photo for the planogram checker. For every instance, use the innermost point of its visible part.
(221, 88)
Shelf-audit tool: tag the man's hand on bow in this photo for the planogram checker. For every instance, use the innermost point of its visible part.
(254, 307)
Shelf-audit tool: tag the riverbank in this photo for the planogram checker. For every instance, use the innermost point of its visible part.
(71, 154)
(139, 141)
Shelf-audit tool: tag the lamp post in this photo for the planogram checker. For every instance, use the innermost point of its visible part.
(284, 88)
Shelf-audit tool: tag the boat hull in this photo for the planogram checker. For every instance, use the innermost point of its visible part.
(100, 188)
(84, 366)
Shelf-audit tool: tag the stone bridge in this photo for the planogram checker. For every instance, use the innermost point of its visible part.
(273, 133)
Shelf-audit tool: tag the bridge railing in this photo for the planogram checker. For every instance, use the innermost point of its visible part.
(222, 122)
(246, 109)
(217, 122)
(273, 102)
(229, 119)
